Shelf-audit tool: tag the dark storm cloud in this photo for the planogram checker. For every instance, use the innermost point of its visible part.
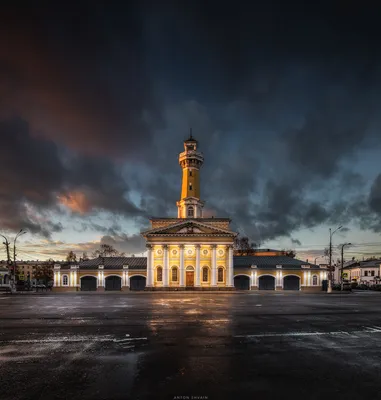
(35, 175)
(30, 174)
(296, 242)
(125, 243)
(282, 97)
(77, 75)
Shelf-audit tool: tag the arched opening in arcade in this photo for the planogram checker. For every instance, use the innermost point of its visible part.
(88, 283)
(242, 282)
(266, 282)
(137, 282)
(113, 282)
(291, 282)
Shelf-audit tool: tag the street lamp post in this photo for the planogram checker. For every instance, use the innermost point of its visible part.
(21, 232)
(329, 289)
(342, 263)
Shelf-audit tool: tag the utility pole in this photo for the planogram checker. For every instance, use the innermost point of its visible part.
(342, 264)
(329, 290)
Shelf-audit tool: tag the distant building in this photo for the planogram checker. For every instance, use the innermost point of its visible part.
(4, 276)
(191, 252)
(363, 272)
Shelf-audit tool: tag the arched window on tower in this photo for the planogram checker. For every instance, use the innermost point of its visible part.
(220, 274)
(190, 212)
(190, 186)
(159, 274)
(205, 273)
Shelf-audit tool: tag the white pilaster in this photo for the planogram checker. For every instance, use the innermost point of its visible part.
(57, 275)
(230, 280)
(198, 267)
(166, 267)
(214, 269)
(149, 282)
(127, 279)
(182, 270)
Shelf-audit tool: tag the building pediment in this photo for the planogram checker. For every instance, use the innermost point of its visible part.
(189, 227)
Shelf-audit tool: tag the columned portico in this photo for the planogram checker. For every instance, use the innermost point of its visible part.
(165, 266)
(213, 280)
(198, 267)
(182, 270)
(230, 274)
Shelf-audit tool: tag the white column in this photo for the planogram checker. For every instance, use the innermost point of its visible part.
(55, 279)
(182, 270)
(281, 279)
(255, 278)
(198, 267)
(59, 278)
(127, 278)
(166, 267)
(309, 278)
(252, 279)
(99, 282)
(214, 269)
(149, 282)
(230, 280)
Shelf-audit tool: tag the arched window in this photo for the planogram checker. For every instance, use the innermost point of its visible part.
(174, 274)
(159, 274)
(220, 274)
(205, 273)
(314, 280)
(190, 212)
(65, 280)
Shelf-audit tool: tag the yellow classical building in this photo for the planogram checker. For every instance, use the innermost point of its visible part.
(191, 252)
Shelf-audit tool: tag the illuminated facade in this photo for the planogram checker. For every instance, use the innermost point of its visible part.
(191, 252)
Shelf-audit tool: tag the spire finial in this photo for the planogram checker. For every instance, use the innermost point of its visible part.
(190, 136)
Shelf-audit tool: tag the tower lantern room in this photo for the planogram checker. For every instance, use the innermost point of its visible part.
(190, 160)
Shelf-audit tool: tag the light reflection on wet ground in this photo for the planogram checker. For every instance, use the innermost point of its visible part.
(165, 345)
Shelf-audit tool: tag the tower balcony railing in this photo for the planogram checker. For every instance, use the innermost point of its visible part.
(191, 154)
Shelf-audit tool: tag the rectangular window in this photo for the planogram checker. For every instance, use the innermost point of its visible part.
(372, 273)
(190, 186)
(365, 273)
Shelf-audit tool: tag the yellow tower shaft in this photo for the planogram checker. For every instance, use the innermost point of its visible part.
(190, 183)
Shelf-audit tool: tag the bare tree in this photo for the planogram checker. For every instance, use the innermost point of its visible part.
(106, 250)
(71, 257)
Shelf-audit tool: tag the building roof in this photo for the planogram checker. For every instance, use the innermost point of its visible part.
(270, 262)
(114, 262)
(264, 262)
